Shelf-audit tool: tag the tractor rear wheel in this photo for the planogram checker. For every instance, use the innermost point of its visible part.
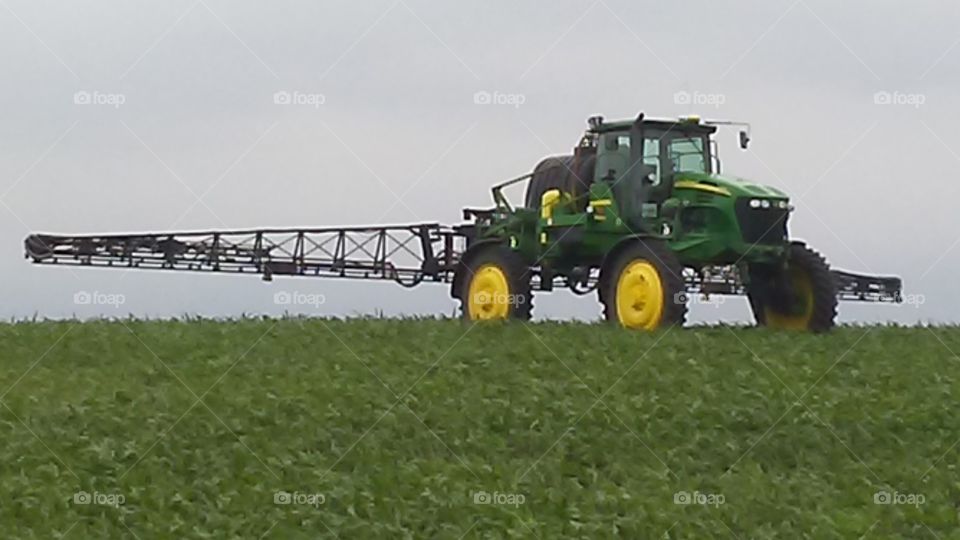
(800, 296)
(642, 287)
(494, 284)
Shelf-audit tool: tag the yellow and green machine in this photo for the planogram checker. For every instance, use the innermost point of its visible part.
(639, 214)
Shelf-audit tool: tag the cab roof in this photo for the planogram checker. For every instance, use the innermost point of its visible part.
(682, 124)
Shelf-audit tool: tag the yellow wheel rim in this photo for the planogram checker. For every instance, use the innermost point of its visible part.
(803, 292)
(489, 294)
(640, 303)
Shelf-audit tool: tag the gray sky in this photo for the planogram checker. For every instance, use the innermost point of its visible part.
(398, 137)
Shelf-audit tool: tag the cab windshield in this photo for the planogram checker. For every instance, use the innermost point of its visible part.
(670, 153)
(688, 154)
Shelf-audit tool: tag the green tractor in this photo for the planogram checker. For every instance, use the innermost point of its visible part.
(639, 214)
(641, 211)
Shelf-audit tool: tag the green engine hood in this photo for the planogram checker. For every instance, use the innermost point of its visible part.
(735, 187)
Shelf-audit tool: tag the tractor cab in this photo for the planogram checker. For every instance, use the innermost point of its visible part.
(644, 159)
(653, 152)
(641, 160)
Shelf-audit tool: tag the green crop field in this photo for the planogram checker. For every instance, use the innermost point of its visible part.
(438, 429)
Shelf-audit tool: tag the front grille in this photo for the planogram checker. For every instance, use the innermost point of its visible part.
(761, 225)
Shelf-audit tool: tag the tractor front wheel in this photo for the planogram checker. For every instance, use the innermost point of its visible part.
(494, 284)
(642, 287)
(799, 296)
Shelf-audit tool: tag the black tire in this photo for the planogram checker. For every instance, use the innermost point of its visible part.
(515, 272)
(572, 175)
(669, 271)
(802, 295)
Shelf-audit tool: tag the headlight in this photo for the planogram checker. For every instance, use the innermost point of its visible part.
(766, 204)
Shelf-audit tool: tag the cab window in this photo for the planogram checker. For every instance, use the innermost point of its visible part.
(687, 154)
(651, 157)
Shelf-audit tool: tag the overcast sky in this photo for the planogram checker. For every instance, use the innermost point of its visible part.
(152, 116)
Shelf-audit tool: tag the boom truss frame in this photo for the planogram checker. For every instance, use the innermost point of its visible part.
(406, 254)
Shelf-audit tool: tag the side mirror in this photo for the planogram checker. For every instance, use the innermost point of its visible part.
(744, 140)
